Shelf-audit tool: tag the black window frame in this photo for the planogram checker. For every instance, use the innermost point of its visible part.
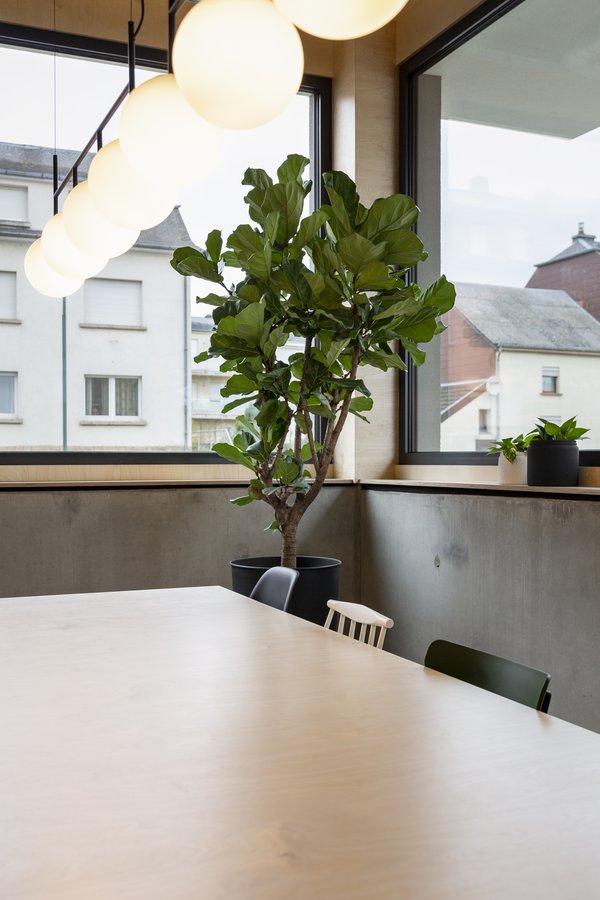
(66, 44)
(454, 37)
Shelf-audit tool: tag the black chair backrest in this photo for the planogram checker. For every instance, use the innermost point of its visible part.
(493, 673)
(274, 588)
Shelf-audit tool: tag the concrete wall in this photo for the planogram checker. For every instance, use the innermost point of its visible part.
(105, 539)
(516, 576)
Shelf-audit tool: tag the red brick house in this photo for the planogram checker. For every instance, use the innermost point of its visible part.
(575, 270)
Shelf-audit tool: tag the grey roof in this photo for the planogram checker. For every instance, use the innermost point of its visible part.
(528, 318)
(168, 235)
(29, 161)
(581, 243)
(203, 324)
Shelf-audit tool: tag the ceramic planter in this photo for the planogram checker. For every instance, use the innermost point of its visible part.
(512, 473)
(553, 463)
(318, 582)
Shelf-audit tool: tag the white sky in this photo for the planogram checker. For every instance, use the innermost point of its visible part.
(552, 183)
(85, 91)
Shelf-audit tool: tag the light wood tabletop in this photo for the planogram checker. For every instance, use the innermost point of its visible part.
(191, 744)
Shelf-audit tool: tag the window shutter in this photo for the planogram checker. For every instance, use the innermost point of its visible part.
(8, 295)
(108, 301)
(13, 203)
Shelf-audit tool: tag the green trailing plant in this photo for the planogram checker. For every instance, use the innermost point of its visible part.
(550, 431)
(339, 279)
(510, 446)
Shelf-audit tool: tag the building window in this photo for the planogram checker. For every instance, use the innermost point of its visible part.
(484, 421)
(111, 301)
(480, 157)
(8, 393)
(112, 396)
(13, 203)
(8, 295)
(550, 380)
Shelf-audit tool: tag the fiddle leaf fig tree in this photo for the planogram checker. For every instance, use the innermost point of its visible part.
(337, 279)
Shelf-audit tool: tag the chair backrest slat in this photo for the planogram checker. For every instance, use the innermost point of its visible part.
(356, 613)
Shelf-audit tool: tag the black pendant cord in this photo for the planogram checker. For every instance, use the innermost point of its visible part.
(96, 140)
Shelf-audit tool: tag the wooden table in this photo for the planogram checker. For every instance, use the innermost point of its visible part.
(191, 744)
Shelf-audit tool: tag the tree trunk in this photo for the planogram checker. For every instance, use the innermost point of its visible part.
(288, 549)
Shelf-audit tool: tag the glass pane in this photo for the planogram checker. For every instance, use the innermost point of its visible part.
(508, 143)
(7, 394)
(137, 315)
(96, 400)
(126, 396)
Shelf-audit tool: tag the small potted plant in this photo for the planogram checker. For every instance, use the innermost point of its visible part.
(339, 280)
(553, 454)
(512, 460)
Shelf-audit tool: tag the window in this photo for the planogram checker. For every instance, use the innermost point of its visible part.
(112, 396)
(8, 394)
(550, 380)
(13, 203)
(111, 301)
(501, 137)
(136, 315)
(8, 295)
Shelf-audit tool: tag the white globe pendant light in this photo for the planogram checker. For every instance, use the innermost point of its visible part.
(163, 138)
(64, 256)
(238, 62)
(92, 232)
(340, 20)
(124, 196)
(44, 278)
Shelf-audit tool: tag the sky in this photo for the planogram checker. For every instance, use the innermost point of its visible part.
(549, 184)
(85, 90)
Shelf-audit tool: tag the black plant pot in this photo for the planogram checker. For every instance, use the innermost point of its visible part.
(318, 582)
(553, 463)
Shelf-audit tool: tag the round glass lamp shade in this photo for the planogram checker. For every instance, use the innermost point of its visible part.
(44, 278)
(340, 20)
(124, 196)
(238, 62)
(92, 232)
(163, 138)
(64, 256)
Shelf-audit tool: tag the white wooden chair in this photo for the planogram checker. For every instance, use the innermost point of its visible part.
(356, 613)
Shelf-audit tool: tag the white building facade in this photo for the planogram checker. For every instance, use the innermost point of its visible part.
(113, 373)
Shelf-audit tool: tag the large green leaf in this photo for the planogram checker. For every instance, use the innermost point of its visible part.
(292, 168)
(195, 263)
(238, 384)
(403, 248)
(227, 451)
(239, 401)
(357, 251)
(214, 245)
(246, 326)
(309, 227)
(258, 178)
(287, 200)
(374, 276)
(342, 186)
(440, 294)
(389, 214)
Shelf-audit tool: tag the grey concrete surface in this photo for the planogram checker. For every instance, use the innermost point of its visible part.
(71, 541)
(516, 576)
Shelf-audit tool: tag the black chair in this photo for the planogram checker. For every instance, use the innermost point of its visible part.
(492, 673)
(274, 587)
